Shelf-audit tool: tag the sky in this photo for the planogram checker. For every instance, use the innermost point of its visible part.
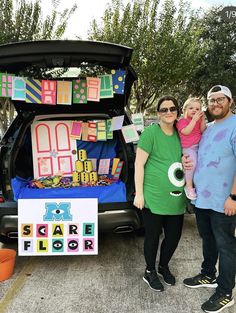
(89, 9)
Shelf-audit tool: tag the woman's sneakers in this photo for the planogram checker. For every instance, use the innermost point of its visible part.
(151, 278)
(190, 193)
(165, 273)
(153, 281)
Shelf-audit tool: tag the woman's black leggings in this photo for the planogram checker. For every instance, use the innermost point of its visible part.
(154, 224)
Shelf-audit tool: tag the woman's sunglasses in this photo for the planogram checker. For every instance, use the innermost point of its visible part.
(165, 110)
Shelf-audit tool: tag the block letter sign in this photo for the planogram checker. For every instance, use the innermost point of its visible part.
(58, 226)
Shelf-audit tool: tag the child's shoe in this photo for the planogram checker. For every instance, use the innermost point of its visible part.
(190, 193)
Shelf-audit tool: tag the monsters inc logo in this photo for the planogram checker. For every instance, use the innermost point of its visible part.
(57, 212)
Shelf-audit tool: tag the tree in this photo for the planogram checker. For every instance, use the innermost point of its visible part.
(23, 20)
(164, 40)
(217, 59)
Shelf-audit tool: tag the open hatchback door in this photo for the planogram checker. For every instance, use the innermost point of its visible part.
(41, 135)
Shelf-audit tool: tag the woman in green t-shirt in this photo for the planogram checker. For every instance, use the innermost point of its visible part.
(159, 182)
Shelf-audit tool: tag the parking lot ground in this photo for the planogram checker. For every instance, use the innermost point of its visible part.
(107, 283)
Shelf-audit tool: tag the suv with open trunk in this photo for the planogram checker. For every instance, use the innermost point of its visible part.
(70, 60)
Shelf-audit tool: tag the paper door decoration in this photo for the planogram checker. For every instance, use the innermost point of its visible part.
(138, 122)
(54, 151)
(64, 89)
(76, 130)
(104, 166)
(130, 133)
(18, 88)
(117, 122)
(118, 78)
(114, 165)
(94, 162)
(6, 85)
(93, 89)
(92, 131)
(106, 90)
(118, 170)
(109, 131)
(85, 131)
(33, 90)
(49, 89)
(101, 131)
(80, 91)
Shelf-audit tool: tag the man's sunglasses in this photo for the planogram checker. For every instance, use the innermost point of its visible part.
(165, 110)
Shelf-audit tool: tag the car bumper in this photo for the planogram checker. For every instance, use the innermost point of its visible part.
(118, 220)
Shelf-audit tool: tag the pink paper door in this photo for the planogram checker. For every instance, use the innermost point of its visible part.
(54, 151)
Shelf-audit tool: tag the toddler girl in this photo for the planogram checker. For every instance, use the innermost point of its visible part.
(190, 129)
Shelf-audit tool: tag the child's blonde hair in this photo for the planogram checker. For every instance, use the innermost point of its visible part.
(189, 101)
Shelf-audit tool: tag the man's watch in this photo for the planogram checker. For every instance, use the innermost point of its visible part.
(233, 197)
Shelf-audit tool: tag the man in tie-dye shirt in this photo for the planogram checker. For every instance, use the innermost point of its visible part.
(215, 206)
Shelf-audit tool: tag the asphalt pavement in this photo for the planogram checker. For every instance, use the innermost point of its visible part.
(109, 282)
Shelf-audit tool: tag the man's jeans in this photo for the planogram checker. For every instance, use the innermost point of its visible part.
(218, 240)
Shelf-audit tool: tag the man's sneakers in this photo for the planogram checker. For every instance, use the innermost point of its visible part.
(217, 303)
(151, 278)
(200, 280)
(165, 273)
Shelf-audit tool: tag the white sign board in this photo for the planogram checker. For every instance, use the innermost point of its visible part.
(57, 227)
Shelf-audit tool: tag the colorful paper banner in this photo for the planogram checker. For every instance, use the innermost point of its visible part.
(79, 91)
(118, 78)
(6, 85)
(33, 90)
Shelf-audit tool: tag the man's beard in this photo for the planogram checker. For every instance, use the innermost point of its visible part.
(220, 116)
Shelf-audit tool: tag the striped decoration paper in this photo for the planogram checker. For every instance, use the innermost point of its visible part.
(33, 91)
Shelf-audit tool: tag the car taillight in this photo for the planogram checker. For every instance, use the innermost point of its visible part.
(1, 199)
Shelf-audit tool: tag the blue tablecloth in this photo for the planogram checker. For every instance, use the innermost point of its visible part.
(115, 192)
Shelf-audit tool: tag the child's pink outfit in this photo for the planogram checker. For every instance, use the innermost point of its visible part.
(189, 144)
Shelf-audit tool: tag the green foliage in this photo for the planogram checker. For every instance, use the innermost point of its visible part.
(217, 46)
(21, 20)
(163, 39)
(176, 50)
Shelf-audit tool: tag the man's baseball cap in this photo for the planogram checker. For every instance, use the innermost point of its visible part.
(220, 89)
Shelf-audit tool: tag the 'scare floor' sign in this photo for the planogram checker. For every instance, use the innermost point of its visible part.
(57, 226)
